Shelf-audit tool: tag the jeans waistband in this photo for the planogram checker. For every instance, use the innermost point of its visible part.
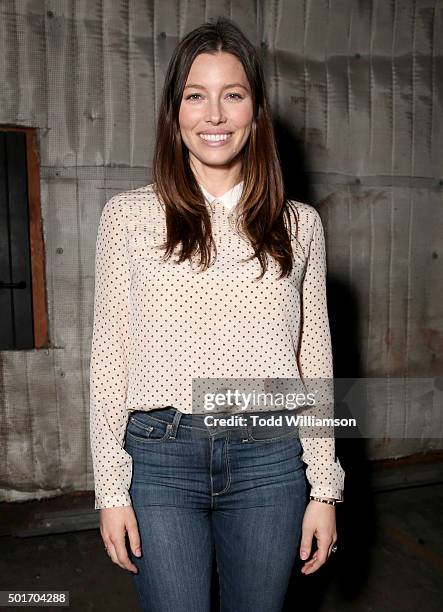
(196, 422)
(169, 414)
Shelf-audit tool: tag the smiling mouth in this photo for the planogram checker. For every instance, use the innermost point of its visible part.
(215, 137)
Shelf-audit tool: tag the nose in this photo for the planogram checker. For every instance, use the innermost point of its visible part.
(215, 113)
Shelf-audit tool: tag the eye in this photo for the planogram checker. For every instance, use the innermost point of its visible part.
(238, 96)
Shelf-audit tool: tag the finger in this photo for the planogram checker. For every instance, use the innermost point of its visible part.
(134, 539)
(306, 542)
(323, 545)
(110, 549)
(330, 547)
(314, 564)
(122, 556)
(319, 557)
(112, 552)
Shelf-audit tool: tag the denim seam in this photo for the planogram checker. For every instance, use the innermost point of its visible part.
(211, 448)
(228, 484)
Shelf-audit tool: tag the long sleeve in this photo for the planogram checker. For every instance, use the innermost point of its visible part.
(324, 472)
(109, 361)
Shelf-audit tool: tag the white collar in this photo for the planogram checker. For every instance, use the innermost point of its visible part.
(229, 199)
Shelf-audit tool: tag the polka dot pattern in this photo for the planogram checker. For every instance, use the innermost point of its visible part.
(157, 325)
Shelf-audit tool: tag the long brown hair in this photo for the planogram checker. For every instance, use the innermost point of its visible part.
(263, 207)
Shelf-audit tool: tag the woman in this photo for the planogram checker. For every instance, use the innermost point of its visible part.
(186, 492)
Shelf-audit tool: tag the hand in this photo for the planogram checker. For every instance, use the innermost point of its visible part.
(114, 523)
(318, 520)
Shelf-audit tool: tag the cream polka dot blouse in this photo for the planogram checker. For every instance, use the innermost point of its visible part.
(157, 325)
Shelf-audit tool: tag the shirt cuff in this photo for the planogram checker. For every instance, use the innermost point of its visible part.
(115, 501)
(331, 492)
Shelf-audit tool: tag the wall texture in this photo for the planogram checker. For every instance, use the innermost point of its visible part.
(356, 87)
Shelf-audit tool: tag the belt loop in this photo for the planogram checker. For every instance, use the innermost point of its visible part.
(175, 423)
(244, 431)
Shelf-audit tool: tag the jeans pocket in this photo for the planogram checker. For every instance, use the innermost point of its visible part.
(144, 428)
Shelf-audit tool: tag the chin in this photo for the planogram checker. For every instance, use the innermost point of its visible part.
(216, 162)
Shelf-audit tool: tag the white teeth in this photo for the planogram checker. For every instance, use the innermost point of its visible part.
(215, 137)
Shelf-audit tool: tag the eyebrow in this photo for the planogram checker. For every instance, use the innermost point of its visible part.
(196, 86)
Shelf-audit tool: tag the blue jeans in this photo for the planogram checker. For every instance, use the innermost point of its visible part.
(238, 493)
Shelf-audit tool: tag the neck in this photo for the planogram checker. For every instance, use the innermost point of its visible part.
(216, 180)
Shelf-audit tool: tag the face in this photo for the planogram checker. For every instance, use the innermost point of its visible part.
(216, 99)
